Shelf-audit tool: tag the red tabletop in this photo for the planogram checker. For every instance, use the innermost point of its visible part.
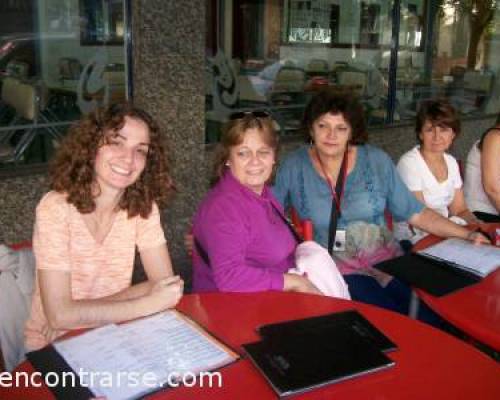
(474, 309)
(429, 363)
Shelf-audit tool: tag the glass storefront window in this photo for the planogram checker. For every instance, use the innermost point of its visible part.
(459, 61)
(275, 54)
(58, 60)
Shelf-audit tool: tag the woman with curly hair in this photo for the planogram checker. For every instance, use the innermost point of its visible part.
(107, 179)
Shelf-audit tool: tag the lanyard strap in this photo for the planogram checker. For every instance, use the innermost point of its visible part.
(338, 190)
(201, 252)
(337, 194)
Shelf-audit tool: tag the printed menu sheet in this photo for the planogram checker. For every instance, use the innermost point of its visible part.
(129, 360)
(475, 258)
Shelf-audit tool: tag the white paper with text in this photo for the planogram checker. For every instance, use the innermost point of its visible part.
(478, 259)
(124, 359)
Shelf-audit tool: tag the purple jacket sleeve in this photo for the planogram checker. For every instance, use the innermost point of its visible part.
(224, 233)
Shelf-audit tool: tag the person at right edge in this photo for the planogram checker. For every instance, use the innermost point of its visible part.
(482, 176)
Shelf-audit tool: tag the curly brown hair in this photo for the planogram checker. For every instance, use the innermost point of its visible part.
(329, 101)
(233, 134)
(72, 169)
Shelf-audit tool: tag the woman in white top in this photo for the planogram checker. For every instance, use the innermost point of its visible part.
(482, 176)
(429, 172)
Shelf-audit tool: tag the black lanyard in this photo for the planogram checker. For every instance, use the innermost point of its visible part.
(336, 199)
(339, 190)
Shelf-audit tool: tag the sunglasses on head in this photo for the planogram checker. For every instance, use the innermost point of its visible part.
(255, 114)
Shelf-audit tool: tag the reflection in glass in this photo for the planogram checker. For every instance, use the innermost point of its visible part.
(48, 78)
(102, 22)
(294, 49)
(459, 61)
(281, 52)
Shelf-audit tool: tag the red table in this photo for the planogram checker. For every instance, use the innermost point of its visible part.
(475, 309)
(429, 363)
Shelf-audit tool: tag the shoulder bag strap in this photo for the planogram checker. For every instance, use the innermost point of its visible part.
(201, 251)
(288, 224)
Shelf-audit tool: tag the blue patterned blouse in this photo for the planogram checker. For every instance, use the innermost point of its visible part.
(371, 187)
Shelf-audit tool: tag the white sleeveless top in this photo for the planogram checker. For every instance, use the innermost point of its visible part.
(475, 197)
(418, 178)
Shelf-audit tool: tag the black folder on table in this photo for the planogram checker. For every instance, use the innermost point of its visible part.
(48, 360)
(300, 362)
(351, 320)
(437, 278)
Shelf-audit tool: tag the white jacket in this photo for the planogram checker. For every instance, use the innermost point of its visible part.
(17, 271)
(314, 260)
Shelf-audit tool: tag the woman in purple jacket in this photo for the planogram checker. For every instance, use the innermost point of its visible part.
(242, 243)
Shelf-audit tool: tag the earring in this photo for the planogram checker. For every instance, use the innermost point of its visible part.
(227, 164)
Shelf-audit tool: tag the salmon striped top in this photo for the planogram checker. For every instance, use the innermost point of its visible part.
(62, 242)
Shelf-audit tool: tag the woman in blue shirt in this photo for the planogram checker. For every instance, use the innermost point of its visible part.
(307, 181)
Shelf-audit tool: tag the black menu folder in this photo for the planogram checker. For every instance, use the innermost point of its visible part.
(301, 362)
(48, 360)
(350, 319)
(437, 278)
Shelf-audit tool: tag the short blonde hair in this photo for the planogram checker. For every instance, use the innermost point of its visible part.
(233, 135)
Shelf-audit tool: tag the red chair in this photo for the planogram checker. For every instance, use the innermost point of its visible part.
(303, 228)
(307, 230)
(26, 244)
(388, 220)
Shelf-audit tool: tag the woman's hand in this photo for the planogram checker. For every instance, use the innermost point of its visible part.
(430, 221)
(298, 283)
(478, 238)
(382, 278)
(166, 292)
